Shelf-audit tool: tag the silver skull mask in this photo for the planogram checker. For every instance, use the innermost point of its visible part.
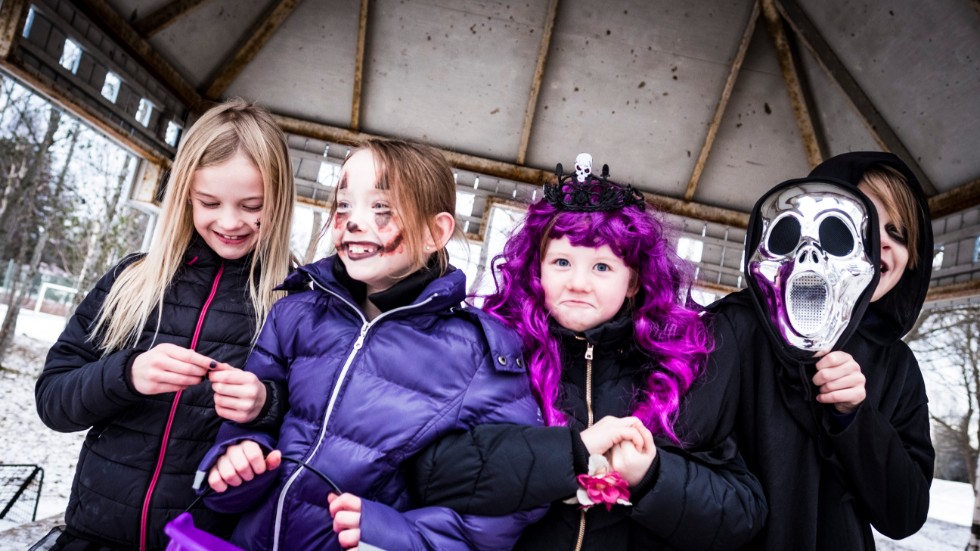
(810, 265)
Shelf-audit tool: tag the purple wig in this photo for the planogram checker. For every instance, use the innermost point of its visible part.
(671, 335)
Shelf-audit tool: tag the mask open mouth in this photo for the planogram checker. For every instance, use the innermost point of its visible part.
(807, 302)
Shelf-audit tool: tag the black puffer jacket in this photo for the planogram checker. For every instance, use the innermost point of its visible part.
(829, 478)
(701, 497)
(80, 388)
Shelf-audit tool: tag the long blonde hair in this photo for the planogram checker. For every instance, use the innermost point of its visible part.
(218, 135)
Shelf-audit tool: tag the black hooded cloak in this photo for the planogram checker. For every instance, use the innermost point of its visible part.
(828, 478)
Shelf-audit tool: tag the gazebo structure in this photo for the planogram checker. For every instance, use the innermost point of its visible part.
(701, 104)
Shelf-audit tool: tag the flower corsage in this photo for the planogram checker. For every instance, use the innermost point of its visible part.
(601, 485)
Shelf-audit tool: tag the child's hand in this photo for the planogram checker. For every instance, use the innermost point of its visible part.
(840, 381)
(238, 395)
(240, 463)
(346, 512)
(609, 431)
(168, 368)
(633, 462)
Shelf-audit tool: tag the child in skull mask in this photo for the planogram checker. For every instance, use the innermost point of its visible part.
(839, 438)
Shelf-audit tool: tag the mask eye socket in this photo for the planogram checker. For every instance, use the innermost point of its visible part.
(784, 236)
(835, 237)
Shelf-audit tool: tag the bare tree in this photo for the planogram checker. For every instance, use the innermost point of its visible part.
(31, 214)
(948, 342)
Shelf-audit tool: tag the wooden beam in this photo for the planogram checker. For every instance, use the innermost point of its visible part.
(958, 199)
(37, 82)
(355, 108)
(265, 26)
(797, 97)
(12, 15)
(726, 94)
(532, 100)
(101, 13)
(715, 288)
(164, 16)
(882, 132)
(953, 291)
(512, 172)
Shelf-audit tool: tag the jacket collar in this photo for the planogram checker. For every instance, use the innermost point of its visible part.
(442, 292)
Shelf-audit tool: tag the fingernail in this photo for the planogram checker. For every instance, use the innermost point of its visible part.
(213, 364)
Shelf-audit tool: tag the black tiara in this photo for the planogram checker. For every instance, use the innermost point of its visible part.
(582, 191)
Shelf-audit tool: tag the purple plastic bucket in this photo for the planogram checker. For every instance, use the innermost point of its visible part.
(184, 536)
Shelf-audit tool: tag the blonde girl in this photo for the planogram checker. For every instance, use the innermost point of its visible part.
(149, 362)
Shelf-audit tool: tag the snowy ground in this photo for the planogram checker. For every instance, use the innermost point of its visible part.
(24, 439)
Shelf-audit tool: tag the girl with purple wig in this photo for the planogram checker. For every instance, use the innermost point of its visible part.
(633, 455)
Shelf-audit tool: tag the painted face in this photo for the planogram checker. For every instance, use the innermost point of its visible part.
(584, 287)
(226, 205)
(366, 229)
(894, 248)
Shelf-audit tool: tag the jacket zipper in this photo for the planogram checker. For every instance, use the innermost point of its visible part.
(588, 409)
(358, 343)
(144, 517)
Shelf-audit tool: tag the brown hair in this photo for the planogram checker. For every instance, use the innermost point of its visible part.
(422, 185)
(892, 188)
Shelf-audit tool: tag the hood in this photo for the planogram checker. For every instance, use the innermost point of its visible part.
(760, 302)
(894, 315)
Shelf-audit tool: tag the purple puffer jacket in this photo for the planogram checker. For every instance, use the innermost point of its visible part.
(363, 398)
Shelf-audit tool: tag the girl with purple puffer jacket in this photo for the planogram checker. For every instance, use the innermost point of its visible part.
(380, 359)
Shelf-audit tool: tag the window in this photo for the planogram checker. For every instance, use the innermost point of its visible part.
(690, 249)
(29, 23)
(328, 174)
(70, 55)
(110, 88)
(174, 131)
(144, 112)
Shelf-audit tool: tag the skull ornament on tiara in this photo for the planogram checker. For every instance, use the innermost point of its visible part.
(811, 264)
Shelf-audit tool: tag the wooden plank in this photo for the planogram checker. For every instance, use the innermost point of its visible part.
(513, 172)
(82, 110)
(164, 16)
(355, 108)
(797, 97)
(102, 14)
(12, 16)
(882, 132)
(953, 291)
(726, 94)
(253, 41)
(532, 100)
(959, 198)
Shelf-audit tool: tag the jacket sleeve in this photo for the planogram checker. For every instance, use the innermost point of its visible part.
(269, 364)
(383, 527)
(497, 469)
(498, 393)
(888, 461)
(79, 386)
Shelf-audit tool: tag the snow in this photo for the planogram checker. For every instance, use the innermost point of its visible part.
(24, 439)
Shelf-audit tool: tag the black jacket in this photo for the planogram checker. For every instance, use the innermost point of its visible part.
(701, 498)
(829, 478)
(80, 388)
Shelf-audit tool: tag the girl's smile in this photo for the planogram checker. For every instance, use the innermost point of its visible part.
(366, 226)
(226, 204)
